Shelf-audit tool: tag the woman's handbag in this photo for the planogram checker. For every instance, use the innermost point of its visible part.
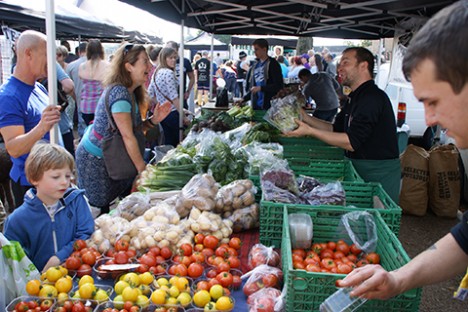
(118, 163)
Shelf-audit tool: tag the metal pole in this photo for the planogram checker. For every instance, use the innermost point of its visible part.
(51, 63)
(181, 75)
(211, 68)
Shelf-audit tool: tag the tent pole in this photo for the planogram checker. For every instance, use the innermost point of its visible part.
(51, 63)
(181, 75)
(211, 68)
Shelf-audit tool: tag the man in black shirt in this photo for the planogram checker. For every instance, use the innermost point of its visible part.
(242, 67)
(202, 69)
(365, 127)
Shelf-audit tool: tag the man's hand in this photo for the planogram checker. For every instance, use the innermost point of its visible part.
(371, 282)
(255, 89)
(161, 111)
(50, 116)
(302, 130)
(53, 261)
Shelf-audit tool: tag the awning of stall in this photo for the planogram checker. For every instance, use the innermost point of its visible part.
(272, 41)
(203, 42)
(350, 19)
(71, 22)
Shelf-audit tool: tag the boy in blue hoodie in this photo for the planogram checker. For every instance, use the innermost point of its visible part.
(53, 214)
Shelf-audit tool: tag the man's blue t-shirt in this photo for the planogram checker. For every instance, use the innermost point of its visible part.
(259, 77)
(21, 105)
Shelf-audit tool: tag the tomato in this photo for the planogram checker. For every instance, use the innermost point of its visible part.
(338, 255)
(296, 257)
(352, 258)
(328, 263)
(198, 247)
(232, 252)
(32, 304)
(134, 309)
(79, 244)
(147, 259)
(344, 268)
(311, 260)
(355, 250)
(207, 252)
(300, 252)
(331, 246)
(22, 306)
(235, 243)
(89, 258)
(299, 265)
(203, 285)
(180, 270)
(326, 253)
(213, 281)
(317, 248)
(234, 262)
(313, 268)
(143, 268)
(362, 262)
(198, 239)
(160, 259)
(186, 249)
(84, 269)
(76, 254)
(186, 260)
(211, 242)
(198, 257)
(127, 305)
(250, 288)
(72, 263)
(373, 258)
(157, 270)
(110, 253)
(195, 270)
(131, 253)
(155, 251)
(78, 306)
(217, 260)
(265, 304)
(236, 281)
(222, 252)
(211, 273)
(224, 267)
(343, 247)
(121, 257)
(68, 305)
(58, 309)
(166, 253)
(121, 245)
(270, 280)
(110, 261)
(46, 304)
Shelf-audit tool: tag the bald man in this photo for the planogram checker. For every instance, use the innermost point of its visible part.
(25, 116)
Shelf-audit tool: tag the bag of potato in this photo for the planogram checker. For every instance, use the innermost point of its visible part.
(236, 195)
(133, 206)
(200, 192)
(209, 223)
(444, 181)
(415, 180)
(246, 218)
(109, 229)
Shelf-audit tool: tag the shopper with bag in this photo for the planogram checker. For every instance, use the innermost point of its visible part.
(110, 155)
(440, 81)
(53, 214)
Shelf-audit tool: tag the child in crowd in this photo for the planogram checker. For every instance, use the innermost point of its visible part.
(53, 214)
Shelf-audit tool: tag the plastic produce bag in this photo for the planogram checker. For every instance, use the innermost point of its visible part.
(234, 137)
(361, 228)
(245, 218)
(261, 254)
(261, 277)
(236, 195)
(281, 176)
(283, 112)
(266, 299)
(15, 271)
(199, 192)
(133, 206)
(327, 194)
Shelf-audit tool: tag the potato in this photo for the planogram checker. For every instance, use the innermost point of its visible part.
(164, 243)
(219, 204)
(247, 184)
(195, 214)
(205, 204)
(218, 235)
(204, 192)
(159, 236)
(225, 232)
(161, 219)
(237, 203)
(172, 235)
(195, 227)
(187, 203)
(175, 219)
(225, 241)
(247, 198)
(238, 190)
(150, 242)
(206, 226)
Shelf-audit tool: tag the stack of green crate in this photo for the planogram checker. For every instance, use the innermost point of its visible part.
(258, 115)
(307, 290)
(359, 196)
(311, 148)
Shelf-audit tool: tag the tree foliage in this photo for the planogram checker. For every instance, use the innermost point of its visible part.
(304, 44)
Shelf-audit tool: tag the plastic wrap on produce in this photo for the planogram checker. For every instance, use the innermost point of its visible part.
(261, 277)
(326, 194)
(267, 299)
(236, 195)
(134, 205)
(109, 229)
(234, 137)
(283, 112)
(246, 218)
(209, 223)
(200, 192)
(281, 176)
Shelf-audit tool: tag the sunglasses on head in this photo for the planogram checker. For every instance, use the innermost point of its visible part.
(127, 49)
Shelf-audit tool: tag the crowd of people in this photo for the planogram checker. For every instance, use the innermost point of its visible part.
(112, 99)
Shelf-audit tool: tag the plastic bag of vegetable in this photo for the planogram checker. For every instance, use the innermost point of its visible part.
(281, 176)
(273, 193)
(326, 194)
(209, 223)
(261, 254)
(199, 192)
(283, 112)
(134, 205)
(234, 137)
(236, 195)
(266, 299)
(262, 156)
(246, 218)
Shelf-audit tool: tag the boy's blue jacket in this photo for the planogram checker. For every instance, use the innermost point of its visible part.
(42, 235)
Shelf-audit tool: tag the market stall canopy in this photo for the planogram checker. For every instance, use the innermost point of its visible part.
(273, 41)
(203, 42)
(350, 19)
(138, 25)
(71, 22)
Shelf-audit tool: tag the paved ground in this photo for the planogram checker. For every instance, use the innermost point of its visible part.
(416, 235)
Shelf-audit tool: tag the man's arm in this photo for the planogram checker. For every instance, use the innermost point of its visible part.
(18, 143)
(68, 86)
(443, 260)
(191, 76)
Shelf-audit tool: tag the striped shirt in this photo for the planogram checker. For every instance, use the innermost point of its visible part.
(90, 94)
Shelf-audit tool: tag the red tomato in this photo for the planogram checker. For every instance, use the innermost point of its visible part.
(300, 252)
(203, 285)
(22, 306)
(166, 253)
(198, 257)
(338, 255)
(134, 309)
(148, 259)
(299, 265)
(225, 279)
(373, 258)
(121, 245)
(224, 267)
(58, 309)
(250, 288)
(68, 305)
(362, 262)
(78, 306)
(208, 252)
(313, 268)
(121, 257)
(72, 263)
(195, 270)
(198, 239)
(236, 281)
(89, 258)
(186, 249)
(160, 259)
(270, 280)
(232, 252)
(84, 269)
(157, 270)
(352, 258)
(311, 260)
(331, 246)
(76, 254)
(355, 250)
(143, 268)
(326, 253)
(180, 270)
(344, 268)
(328, 263)
(131, 253)
(212, 273)
(235, 243)
(265, 304)
(155, 251)
(79, 244)
(110, 253)
(343, 247)
(127, 305)
(198, 247)
(213, 281)
(317, 248)
(222, 252)
(234, 262)
(211, 242)
(217, 260)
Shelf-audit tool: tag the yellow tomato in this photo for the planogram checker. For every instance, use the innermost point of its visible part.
(142, 301)
(87, 290)
(120, 286)
(61, 297)
(184, 299)
(53, 274)
(63, 285)
(201, 298)
(63, 270)
(216, 291)
(33, 287)
(43, 276)
(158, 296)
(118, 302)
(210, 306)
(171, 301)
(86, 279)
(130, 294)
(132, 279)
(224, 303)
(174, 291)
(146, 278)
(48, 291)
(145, 290)
(101, 295)
(162, 281)
(182, 283)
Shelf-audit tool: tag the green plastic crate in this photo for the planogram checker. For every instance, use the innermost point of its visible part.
(302, 141)
(324, 169)
(363, 196)
(307, 290)
(258, 115)
(313, 152)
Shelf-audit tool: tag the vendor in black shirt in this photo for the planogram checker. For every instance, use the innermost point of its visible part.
(365, 127)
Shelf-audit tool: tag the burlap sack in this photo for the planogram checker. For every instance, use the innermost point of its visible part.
(444, 181)
(415, 180)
